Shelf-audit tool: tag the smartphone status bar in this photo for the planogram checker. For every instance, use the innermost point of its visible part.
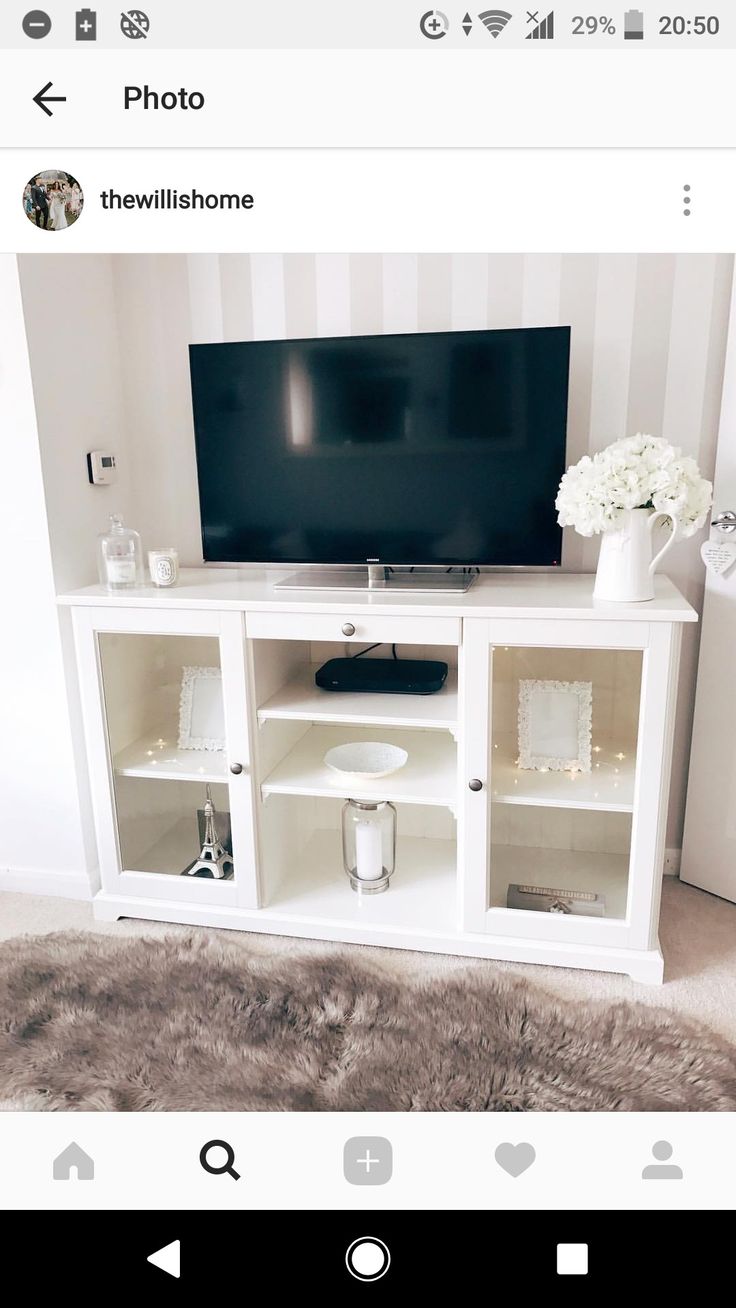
(381, 24)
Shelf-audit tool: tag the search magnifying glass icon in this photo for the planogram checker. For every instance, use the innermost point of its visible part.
(219, 1168)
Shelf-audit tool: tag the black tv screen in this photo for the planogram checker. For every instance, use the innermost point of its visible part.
(438, 448)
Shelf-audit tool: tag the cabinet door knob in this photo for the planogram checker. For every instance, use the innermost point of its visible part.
(236, 768)
(348, 629)
(475, 784)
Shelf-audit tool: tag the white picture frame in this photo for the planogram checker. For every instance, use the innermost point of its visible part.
(201, 709)
(555, 725)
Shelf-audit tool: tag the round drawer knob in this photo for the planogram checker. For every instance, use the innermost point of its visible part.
(348, 629)
(236, 768)
(475, 784)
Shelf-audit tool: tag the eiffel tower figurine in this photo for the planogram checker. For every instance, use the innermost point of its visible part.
(214, 860)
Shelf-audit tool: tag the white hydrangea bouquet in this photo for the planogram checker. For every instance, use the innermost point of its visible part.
(622, 492)
(638, 472)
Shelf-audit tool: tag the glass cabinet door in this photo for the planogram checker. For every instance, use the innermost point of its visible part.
(563, 751)
(181, 813)
(566, 745)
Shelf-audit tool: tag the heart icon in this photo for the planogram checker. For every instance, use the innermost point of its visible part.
(515, 1158)
(718, 556)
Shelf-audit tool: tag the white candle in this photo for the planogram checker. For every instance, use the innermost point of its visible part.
(368, 860)
(164, 566)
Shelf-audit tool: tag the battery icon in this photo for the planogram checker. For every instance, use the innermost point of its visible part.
(634, 25)
(86, 25)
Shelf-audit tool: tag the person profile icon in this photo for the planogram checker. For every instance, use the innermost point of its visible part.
(663, 1169)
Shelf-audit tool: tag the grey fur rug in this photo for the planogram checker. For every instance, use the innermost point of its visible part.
(102, 1023)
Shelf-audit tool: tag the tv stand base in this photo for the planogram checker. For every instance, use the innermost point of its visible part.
(425, 581)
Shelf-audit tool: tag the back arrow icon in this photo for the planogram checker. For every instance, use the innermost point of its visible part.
(43, 100)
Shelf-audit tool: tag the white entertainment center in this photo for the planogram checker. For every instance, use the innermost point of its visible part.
(471, 821)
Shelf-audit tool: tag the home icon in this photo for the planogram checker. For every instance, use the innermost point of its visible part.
(73, 1158)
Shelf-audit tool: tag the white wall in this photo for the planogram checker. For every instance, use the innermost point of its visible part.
(649, 335)
(76, 355)
(154, 317)
(76, 358)
(42, 838)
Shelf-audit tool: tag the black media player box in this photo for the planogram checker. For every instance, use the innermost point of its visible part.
(383, 676)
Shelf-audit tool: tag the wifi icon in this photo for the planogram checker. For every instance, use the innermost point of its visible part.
(495, 20)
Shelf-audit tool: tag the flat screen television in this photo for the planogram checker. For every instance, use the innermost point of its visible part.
(441, 449)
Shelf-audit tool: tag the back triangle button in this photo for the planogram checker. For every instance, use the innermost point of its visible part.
(168, 1258)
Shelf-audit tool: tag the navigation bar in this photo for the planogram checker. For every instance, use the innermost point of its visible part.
(359, 99)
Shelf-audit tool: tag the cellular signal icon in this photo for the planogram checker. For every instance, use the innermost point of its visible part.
(495, 20)
(544, 31)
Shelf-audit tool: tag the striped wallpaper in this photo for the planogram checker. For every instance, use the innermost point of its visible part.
(648, 332)
(648, 347)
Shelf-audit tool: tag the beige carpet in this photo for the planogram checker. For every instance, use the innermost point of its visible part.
(698, 934)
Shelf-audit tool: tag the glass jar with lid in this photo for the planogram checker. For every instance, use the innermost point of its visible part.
(119, 556)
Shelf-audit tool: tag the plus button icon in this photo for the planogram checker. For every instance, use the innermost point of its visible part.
(368, 1160)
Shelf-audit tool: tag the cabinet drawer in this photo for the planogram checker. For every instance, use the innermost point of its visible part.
(366, 627)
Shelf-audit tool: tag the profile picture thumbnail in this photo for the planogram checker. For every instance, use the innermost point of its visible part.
(53, 200)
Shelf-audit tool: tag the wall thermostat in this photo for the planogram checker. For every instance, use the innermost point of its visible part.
(101, 468)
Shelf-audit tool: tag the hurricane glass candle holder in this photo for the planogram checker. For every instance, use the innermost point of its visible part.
(369, 844)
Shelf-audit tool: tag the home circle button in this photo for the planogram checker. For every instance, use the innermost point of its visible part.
(368, 1259)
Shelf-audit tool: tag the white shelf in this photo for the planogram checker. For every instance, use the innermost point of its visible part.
(422, 894)
(608, 787)
(429, 776)
(301, 699)
(156, 872)
(561, 869)
(170, 853)
(158, 755)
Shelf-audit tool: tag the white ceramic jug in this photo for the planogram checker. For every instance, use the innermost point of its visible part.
(625, 566)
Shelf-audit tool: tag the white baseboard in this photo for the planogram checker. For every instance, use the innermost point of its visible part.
(672, 860)
(38, 881)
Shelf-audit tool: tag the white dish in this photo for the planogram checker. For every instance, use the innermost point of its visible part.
(366, 759)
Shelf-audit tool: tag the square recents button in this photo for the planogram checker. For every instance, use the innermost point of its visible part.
(368, 1160)
(572, 1260)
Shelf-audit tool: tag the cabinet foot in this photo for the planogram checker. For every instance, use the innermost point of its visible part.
(648, 969)
(104, 911)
